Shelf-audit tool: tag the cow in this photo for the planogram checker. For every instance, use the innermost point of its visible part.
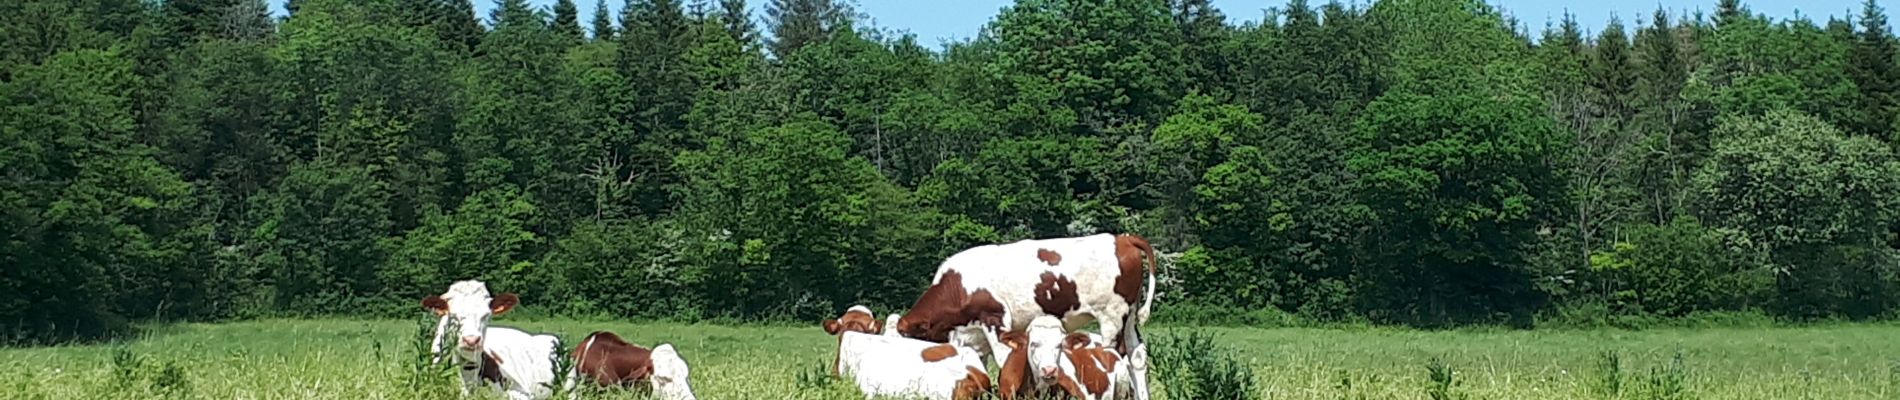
(610, 361)
(858, 318)
(1082, 365)
(1014, 379)
(982, 292)
(507, 359)
(891, 366)
(884, 364)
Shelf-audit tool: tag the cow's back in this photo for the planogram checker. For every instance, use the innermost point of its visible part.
(610, 360)
(1057, 276)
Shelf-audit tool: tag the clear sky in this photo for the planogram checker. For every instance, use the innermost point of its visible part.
(957, 19)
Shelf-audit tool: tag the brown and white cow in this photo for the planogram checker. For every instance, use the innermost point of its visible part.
(1082, 366)
(884, 364)
(1013, 378)
(610, 361)
(982, 292)
(515, 362)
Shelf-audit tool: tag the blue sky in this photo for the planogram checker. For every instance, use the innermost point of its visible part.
(932, 20)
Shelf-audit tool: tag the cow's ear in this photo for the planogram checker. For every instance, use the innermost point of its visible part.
(832, 326)
(1014, 340)
(436, 304)
(1076, 340)
(503, 303)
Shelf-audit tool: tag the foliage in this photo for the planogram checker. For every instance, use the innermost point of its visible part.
(1197, 366)
(1418, 162)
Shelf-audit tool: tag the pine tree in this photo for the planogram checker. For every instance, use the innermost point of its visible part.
(514, 12)
(567, 21)
(738, 21)
(1872, 66)
(457, 25)
(1610, 72)
(799, 23)
(603, 24)
(655, 37)
(1203, 29)
(1729, 12)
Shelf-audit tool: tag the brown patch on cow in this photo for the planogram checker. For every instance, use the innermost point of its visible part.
(945, 306)
(1013, 378)
(973, 384)
(1049, 257)
(491, 368)
(611, 361)
(939, 352)
(1093, 379)
(436, 304)
(1057, 295)
(1129, 251)
(503, 303)
(854, 321)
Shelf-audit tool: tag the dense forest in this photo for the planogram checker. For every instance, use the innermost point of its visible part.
(1415, 162)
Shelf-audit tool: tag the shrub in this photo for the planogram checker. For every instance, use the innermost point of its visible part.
(1195, 366)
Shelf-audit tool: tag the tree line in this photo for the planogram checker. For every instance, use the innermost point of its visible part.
(1416, 162)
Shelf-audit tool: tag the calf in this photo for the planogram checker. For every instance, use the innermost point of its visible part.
(902, 367)
(609, 361)
(1001, 288)
(1013, 380)
(1082, 366)
(515, 362)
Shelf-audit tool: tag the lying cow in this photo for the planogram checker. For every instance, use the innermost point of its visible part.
(609, 361)
(515, 362)
(1082, 365)
(990, 290)
(885, 365)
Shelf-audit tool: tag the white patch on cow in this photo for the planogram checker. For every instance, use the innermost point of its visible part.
(890, 324)
(671, 374)
(1011, 271)
(894, 366)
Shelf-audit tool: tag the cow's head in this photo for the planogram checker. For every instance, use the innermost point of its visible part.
(671, 375)
(466, 308)
(856, 319)
(1046, 340)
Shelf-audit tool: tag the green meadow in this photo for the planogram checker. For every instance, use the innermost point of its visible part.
(374, 359)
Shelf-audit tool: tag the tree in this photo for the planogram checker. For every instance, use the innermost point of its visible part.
(1612, 74)
(1457, 169)
(319, 239)
(799, 23)
(94, 224)
(1203, 31)
(1116, 64)
(1874, 71)
(567, 21)
(655, 39)
(487, 238)
(737, 20)
(792, 215)
(1817, 201)
(603, 24)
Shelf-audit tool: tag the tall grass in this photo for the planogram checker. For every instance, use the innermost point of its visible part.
(388, 360)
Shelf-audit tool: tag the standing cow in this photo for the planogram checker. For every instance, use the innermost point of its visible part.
(980, 293)
(516, 362)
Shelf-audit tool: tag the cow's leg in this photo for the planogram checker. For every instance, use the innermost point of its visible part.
(1136, 356)
(1112, 320)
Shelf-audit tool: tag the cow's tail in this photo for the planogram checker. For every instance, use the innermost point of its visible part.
(1154, 266)
(574, 370)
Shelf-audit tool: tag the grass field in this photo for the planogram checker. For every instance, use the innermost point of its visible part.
(342, 359)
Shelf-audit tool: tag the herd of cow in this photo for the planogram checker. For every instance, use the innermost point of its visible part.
(1019, 305)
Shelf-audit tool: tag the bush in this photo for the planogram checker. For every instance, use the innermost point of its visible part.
(1195, 366)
